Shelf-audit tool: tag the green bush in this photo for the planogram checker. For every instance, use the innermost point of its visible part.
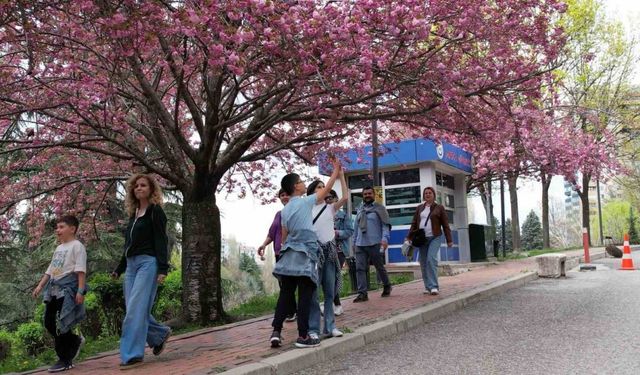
(32, 336)
(109, 304)
(6, 344)
(92, 326)
(169, 300)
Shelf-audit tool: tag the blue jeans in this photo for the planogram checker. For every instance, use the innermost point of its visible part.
(428, 258)
(328, 282)
(140, 285)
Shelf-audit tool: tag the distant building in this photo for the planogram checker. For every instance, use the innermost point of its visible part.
(572, 204)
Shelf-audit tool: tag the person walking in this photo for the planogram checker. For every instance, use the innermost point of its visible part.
(329, 265)
(64, 286)
(429, 223)
(275, 236)
(145, 263)
(371, 234)
(299, 257)
(343, 226)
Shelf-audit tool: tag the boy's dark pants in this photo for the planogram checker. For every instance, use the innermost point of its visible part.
(287, 300)
(66, 344)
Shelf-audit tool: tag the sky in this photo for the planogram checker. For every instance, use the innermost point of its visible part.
(248, 220)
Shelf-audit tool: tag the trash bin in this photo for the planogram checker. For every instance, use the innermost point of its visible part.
(477, 242)
(352, 273)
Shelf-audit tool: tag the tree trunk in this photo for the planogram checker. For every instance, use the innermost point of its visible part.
(546, 183)
(584, 199)
(515, 220)
(201, 259)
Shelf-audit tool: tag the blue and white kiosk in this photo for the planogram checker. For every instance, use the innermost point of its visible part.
(406, 168)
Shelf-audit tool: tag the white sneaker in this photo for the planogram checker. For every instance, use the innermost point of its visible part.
(336, 333)
(434, 292)
(337, 310)
(314, 336)
(426, 291)
(322, 309)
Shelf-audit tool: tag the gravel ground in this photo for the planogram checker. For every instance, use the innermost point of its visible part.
(586, 323)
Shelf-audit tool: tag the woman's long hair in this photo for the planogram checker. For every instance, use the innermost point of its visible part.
(131, 203)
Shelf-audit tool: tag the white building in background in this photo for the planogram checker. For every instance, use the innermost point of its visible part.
(609, 190)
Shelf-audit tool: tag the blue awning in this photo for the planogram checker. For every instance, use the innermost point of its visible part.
(413, 151)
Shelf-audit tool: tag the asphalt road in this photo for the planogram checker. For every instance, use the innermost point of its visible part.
(587, 323)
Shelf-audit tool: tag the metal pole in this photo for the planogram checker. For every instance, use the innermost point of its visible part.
(502, 215)
(374, 152)
(599, 212)
(490, 218)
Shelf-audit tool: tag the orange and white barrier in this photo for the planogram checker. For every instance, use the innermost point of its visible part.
(627, 261)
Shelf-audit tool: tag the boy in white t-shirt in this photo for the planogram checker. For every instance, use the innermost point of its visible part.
(64, 290)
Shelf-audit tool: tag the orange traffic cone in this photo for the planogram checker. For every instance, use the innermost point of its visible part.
(627, 261)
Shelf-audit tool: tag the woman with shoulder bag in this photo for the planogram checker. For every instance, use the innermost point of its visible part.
(427, 227)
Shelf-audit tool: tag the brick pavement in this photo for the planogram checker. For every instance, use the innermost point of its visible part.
(214, 350)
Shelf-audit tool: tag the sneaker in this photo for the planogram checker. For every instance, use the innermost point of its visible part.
(60, 366)
(337, 310)
(307, 342)
(291, 318)
(322, 309)
(434, 292)
(336, 333)
(80, 345)
(314, 336)
(386, 292)
(426, 291)
(361, 298)
(133, 362)
(276, 339)
(157, 350)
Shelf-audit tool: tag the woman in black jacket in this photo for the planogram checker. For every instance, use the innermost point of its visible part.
(145, 261)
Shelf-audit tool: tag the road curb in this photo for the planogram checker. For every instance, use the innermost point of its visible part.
(296, 360)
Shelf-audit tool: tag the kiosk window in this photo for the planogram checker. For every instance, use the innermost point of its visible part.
(356, 201)
(360, 181)
(449, 202)
(405, 176)
(450, 216)
(404, 195)
(445, 180)
(401, 216)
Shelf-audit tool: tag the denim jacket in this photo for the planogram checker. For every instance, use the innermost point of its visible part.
(344, 231)
(71, 313)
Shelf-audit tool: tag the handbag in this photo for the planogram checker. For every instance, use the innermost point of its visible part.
(419, 237)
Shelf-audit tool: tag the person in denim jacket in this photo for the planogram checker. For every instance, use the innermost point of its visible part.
(299, 257)
(344, 231)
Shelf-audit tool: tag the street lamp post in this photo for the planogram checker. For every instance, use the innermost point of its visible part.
(502, 219)
(599, 212)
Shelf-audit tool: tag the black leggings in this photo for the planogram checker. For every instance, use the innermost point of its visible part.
(66, 344)
(287, 301)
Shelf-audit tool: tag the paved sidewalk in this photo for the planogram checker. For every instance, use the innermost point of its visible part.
(215, 350)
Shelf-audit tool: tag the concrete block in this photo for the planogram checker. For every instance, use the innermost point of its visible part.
(407, 321)
(341, 345)
(378, 331)
(258, 368)
(441, 308)
(295, 360)
(551, 265)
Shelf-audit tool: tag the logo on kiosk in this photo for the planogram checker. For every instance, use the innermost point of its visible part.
(440, 150)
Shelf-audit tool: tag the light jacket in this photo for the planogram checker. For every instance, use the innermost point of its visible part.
(71, 313)
(344, 230)
(439, 219)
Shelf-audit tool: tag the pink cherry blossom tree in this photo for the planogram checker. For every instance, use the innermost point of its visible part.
(211, 95)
